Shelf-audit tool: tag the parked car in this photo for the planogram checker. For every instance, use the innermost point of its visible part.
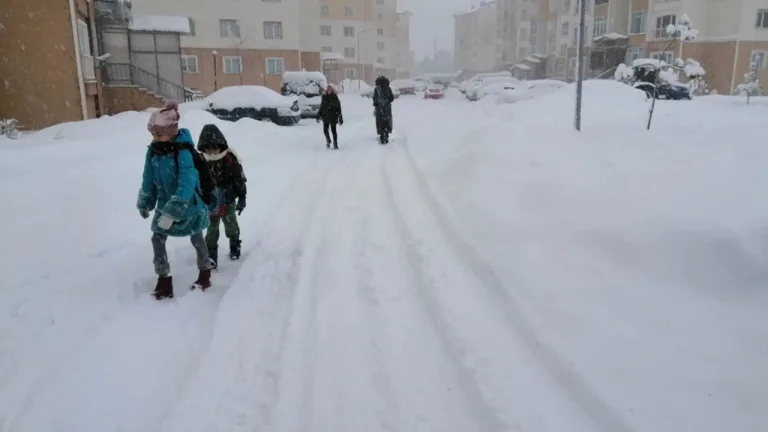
(308, 87)
(434, 91)
(256, 102)
(404, 86)
(666, 91)
(491, 85)
(369, 93)
(479, 77)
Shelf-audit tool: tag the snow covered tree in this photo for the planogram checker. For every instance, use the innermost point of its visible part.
(751, 85)
(695, 74)
(8, 128)
(624, 74)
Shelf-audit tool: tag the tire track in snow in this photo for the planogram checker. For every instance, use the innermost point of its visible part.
(505, 309)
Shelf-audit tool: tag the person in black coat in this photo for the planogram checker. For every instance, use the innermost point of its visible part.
(330, 114)
(382, 103)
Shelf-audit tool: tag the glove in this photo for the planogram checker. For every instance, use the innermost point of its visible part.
(341, 121)
(165, 222)
(318, 119)
(240, 205)
(144, 213)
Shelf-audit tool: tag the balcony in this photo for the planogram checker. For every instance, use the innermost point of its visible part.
(88, 68)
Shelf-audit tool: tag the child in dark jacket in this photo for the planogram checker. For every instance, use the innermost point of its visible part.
(170, 184)
(227, 172)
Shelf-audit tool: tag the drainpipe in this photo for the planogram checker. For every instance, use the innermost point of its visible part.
(100, 107)
(736, 51)
(78, 59)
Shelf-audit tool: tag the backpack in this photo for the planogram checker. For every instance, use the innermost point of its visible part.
(207, 183)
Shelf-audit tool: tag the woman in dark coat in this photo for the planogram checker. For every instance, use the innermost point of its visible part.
(330, 114)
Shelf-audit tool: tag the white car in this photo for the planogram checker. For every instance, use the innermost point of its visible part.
(256, 102)
(491, 85)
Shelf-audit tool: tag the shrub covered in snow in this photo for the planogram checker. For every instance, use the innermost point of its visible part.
(623, 74)
(695, 74)
(8, 128)
(751, 85)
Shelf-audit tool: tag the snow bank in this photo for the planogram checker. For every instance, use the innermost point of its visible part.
(160, 23)
(355, 86)
(247, 97)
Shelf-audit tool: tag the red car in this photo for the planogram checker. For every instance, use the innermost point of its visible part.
(407, 90)
(434, 91)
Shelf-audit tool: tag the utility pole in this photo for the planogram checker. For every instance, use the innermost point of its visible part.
(580, 63)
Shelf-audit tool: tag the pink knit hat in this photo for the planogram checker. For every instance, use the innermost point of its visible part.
(166, 120)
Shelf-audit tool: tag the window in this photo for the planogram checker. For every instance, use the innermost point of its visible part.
(566, 6)
(565, 29)
(666, 57)
(325, 30)
(599, 2)
(380, 32)
(349, 52)
(275, 65)
(634, 53)
(229, 28)
(599, 26)
(380, 2)
(273, 30)
(381, 60)
(762, 19)
(523, 33)
(83, 38)
(563, 50)
(662, 23)
(575, 39)
(380, 16)
(326, 49)
(380, 45)
(349, 31)
(233, 65)
(637, 22)
(757, 60)
(524, 14)
(189, 64)
(325, 10)
(349, 11)
(349, 73)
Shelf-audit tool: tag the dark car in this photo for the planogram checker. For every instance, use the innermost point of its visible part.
(666, 91)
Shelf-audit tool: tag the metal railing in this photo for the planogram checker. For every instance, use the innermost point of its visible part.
(131, 75)
(87, 67)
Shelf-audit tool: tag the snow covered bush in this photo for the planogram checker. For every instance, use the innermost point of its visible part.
(624, 74)
(695, 74)
(8, 128)
(751, 85)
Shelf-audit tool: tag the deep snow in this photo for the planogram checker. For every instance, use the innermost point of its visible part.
(489, 270)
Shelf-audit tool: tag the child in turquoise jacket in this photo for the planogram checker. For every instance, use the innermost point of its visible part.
(170, 184)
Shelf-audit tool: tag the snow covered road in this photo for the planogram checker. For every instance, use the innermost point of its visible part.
(362, 301)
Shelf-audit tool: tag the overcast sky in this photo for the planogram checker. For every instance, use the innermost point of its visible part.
(433, 18)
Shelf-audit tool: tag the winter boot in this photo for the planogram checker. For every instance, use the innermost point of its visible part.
(213, 254)
(164, 288)
(327, 143)
(203, 280)
(335, 145)
(234, 249)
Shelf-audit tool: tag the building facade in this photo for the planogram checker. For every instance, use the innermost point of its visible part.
(405, 56)
(475, 38)
(243, 43)
(46, 63)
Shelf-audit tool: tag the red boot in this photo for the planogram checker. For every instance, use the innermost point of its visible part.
(164, 288)
(203, 280)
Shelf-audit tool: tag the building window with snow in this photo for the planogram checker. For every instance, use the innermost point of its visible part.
(349, 31)
(349, 11)
(189, 64)
(325, 10)
(757, 60)
(350, 73)
(637, 22)
(600, 26)
(662, 22)
(275, 65)
(762, 19)
(349, 52)
(232, 64)
(325, 30)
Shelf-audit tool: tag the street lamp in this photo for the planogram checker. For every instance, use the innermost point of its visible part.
(580, 63)
(359, 62)
(215, 79)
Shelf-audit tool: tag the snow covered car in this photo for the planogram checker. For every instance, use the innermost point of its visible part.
(498, 87)
(256, 102)
(666, 91)
(479, 77)
(308, 87)
(404, 86)
(491, 85)
(434, 91)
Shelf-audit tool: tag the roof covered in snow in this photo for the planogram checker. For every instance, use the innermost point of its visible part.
(160, 23)
(331, 56)
(532, 59)
(611, 36)
(521, 66)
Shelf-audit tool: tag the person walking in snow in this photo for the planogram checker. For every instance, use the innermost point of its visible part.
(171, 186)
(330, 114)
(227, 173)
(382, 103)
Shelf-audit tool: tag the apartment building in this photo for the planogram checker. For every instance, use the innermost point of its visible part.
(475, 38)
(405, 56)
(361, 35)
(243, 43)
(733, 36)
(46, 63)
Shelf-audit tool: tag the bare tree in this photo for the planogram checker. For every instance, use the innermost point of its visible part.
(237, 43)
